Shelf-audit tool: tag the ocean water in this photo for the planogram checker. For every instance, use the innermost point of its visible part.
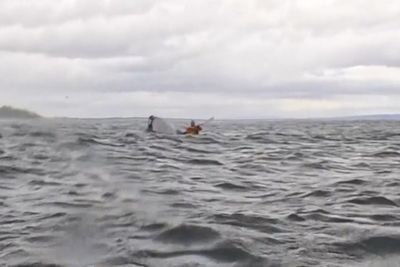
(244, 193)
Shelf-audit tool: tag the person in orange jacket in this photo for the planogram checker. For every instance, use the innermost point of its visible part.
(193, 129)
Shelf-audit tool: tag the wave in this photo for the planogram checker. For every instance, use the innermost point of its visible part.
(262, 224)
(373, 201)
(386, 154)
(226, 251)
(204, 162)
(230, 186)
(188, 234)
(20, 170)
(320, 165)
(36, 264)
(377, 245)
(355, 181)
(45, 135)
(295, 217)
(329, 219)
(319, 193)
(95, 141)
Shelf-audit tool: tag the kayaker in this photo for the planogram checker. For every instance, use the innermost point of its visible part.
(150, 123)
(193, 129)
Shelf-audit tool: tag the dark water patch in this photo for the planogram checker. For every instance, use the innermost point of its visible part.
(373, 201)
(39, 182)
(262, 196)
(294, 194)
(188, 234)
(41, 157)
(223, 252)
(362, 165)
(40, 239)
(6, 237)
(12, 221)
(352, 182)
(41, 134)
(229, 252)
(384, 217)
(169, 166)
(36, 264)
(205, 162)
(384, 172)
(376, 245)
(133, 135)
(197, 178)
(325, 138)
(263, 224)
(153, 227)
(393, 184)
(109, 195)
(129, 158)
(20, 170)
(368, 193)
(321, 165)
(66, 204)
(386, 154)
(81, 185)
(55, 215)
(5, 187)
(329, 219)
(262, 137)
(319, 193)
(123, 261)
(162, 191)
(322, 211)
(345, 190)
(252, 166)
(296, 218)
(230, 186)
(243, 148)
(73, 193)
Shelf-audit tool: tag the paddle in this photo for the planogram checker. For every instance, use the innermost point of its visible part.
(207, 121)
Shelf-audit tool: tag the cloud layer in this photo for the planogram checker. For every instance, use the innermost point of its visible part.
(228, 58)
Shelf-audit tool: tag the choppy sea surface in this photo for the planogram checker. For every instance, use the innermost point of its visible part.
(243, 193)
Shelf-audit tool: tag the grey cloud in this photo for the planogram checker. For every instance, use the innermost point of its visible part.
(254, 50)
(39, 13)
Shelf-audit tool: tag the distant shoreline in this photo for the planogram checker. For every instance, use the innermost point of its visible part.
(7, 112)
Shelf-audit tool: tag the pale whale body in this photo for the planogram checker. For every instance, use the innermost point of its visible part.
(159, 125)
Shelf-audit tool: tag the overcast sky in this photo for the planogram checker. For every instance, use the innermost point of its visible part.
(201, 58)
